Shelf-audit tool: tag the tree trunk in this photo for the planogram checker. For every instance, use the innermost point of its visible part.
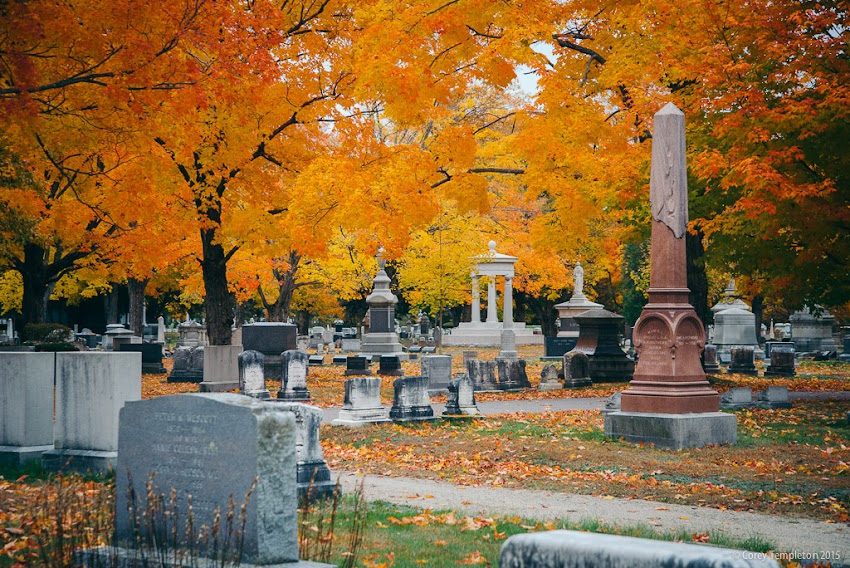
(217, 300)
(758, 311)
(697, 279)
(136, 289)
(112, 304)
(36, 289)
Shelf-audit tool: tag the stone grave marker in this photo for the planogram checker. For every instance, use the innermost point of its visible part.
(483, 375)
(781, 361)
(187, 368)
(252, 380)
(362, 404)
(438, 369)
(340, 360)
(271, 339)
(512, 375)
(293, 381)
(774, 397)
(390, 365)
(316, 360)
(461, 399)
(549, 380)
(151, 355)
(743, 362)
(192, 442)
(737, 398)
(26, 406)
(91, 389)
(314, 476)
(411, 401)
(468, 355)
(356, 365)
(709, 360)
(576, 370)
(220, 367)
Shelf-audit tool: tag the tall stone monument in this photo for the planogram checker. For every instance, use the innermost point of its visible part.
(568, 330)
(670, 403)
(381, 338)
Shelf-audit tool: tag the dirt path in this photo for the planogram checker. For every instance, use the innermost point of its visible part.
(787, 534)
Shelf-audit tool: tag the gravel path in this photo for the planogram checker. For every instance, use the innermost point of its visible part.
(788, 534)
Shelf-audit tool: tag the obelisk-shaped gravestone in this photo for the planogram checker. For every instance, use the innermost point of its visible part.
(669, 402)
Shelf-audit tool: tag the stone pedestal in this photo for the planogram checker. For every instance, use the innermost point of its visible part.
(567, 311)
(191, 334)
(362, 404)
(220, 367)
(461, 399)
(669, 402)
(91, 389)
(411, 401)
(576, 370)
(113, 331)
(26, 406)
(599, 340)
(293, 379)
(252, 379)
(512, 375)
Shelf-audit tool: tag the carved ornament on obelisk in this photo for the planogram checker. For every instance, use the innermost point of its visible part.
(669, 336)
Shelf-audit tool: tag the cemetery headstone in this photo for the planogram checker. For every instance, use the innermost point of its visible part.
(340, 360)
(390, 365)
(356, 365)
(709, 360)
(151, 356)
(737, 398)
(314, 476)
(160, 330)
(483, 375)
(468, 355)
(576, 370)
(185, 369)
(559, 346)
(562, 548)
(411, 401)
(26, 406)
(612, 403)
(191, 334)
(271, 339)
(362, 403)
(438, 370)
(774, 397)
(599, 339)
(429, 349)
(252, 379)
(191, 442)
(549, 380)
(743, 362)
(781, 361)
(512, 375)
(91, 389)
(316, 360)
(461, 399)
(293, 380)
(220, 365)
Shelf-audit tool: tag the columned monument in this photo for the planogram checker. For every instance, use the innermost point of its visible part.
(670, 403)
(381, 339)
(492, 332)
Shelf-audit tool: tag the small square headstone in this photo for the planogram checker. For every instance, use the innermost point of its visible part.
(411, 401)
(461, 399)
(390, 365)
(549, 379)
(362, 404)
(512, 375)
(293, 380)
(252, 380)
(356, 365)
(576, 370)
(742, 362)
(483, 375)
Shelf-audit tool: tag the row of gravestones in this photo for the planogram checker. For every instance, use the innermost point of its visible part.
(743, 360)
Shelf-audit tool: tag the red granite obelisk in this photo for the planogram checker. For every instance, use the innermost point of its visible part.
(669, 401)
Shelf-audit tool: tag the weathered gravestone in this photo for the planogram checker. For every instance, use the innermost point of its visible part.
(271, 339)
(316, 360)
(26, 406)
(356, 365)
(737, 398)
(411, 401)
(781, 360)
(314, 476)
(743, 362)
(215, 450)
(461, 399)
(188, 365)
(709, 360)
(774, 397)
(599, 340)
(438, 369)
(220, 367)
(512, 375)
(91, 389)
(483, 375)
(390, 365)
(576, 370)
(293, 379)
(252, 379)
(362, 404)
(151, 355)
(562, 549)
(549, 379)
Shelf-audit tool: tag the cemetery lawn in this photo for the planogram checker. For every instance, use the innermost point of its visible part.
(793, 462)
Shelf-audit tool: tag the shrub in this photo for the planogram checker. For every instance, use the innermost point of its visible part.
(45, 333)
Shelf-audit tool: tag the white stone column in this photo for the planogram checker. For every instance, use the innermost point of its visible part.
(476, 300)
(508, 298)
(492, 316)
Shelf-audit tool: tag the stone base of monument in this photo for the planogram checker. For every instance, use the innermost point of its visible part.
(19, 455)
(378, 344)
(611, 368)
(116, 557)
(577, 383)
(221, 368)
(672, 431)
(295, 395)
(361, 417)
(314, 481)
(82, 461)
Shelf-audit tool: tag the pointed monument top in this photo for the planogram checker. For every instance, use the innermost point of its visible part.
(670, 108)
